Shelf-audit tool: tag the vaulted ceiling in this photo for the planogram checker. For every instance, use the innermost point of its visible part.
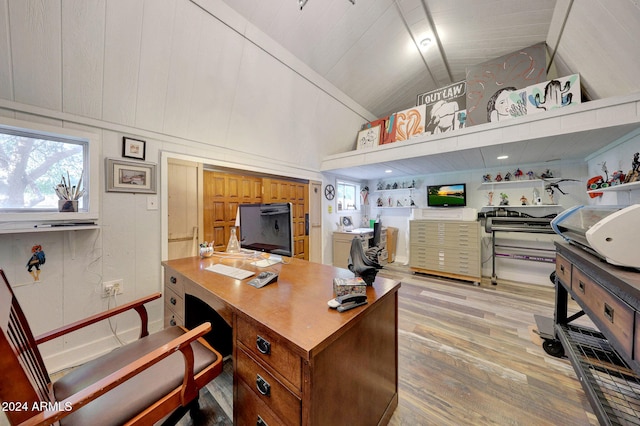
(371, 50)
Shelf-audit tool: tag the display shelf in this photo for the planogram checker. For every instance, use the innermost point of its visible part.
(622, 187)
(523, 182)
(379, 191)
(395, 207)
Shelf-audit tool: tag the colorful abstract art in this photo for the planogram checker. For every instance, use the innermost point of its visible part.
(410, 122)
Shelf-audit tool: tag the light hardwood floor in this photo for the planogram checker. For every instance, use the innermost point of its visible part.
(468, 356)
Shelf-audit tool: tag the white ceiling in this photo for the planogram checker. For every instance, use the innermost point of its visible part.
(369, 50)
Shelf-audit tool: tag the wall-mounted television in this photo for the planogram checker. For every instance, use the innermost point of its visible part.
(267, 228)
(450, 195)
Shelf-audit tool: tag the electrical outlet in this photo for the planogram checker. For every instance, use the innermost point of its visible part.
(110, 288)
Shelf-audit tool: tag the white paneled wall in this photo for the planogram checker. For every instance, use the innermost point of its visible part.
(192, 79)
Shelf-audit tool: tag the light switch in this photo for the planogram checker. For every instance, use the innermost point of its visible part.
(152, 202)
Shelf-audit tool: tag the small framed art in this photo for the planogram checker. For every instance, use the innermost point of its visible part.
(133, 148)
(368, 138)
(130, 176)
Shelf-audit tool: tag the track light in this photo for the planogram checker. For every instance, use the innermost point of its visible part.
(301, 3)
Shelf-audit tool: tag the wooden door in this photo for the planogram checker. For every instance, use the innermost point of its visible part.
(315, 222)
(223, 192)
(184, 200)
(296, 193)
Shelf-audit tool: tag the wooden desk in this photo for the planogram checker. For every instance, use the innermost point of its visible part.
(295, 360)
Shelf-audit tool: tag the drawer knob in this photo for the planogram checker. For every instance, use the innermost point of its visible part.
(261, 422)
(608, 312)
(172, 321)
(263, 345)
(263, 386)
(173, 301)
(562, 268)
(581, 286)
(173, 280)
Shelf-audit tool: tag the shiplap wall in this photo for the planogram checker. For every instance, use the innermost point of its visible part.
(188, 77)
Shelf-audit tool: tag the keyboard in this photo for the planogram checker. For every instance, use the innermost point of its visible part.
(229, 271)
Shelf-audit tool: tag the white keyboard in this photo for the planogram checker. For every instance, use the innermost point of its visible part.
(229, 271)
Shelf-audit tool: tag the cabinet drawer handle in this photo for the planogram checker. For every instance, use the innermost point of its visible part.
(261, 422)
(173, 301)
(263, 345)
(581, 286)
(562, 269)
(608, 312)
(173, 280)
(263, 386)
(172, 321)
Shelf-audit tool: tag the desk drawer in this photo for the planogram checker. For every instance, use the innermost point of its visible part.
(267, 389)
(609, 312)
(267, 346)
(563, 270)
(251, 410)
(173, 308)
(174, 281)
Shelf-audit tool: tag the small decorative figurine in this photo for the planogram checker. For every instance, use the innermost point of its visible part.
(548, 174)
(508, 176)
(490, 198)
(498, 177)
(518, 174)
(634, 173)
(504, 199)
(380, 186)
(364, 193)
(486, 178)
(379, 202)
(524, 200)
(395, 185)
(531, 175)
(551, 193)
(617, 178)
(413, 184)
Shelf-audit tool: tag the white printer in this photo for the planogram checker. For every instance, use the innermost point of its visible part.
(610, 232)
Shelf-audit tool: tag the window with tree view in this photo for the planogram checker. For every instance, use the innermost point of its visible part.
(347, 195)
(33, 165)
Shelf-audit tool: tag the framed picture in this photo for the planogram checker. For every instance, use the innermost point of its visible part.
(133, 148)
(130, 176)
(369, 138)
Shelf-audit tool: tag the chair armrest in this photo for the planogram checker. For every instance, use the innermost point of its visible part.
(137, 305)
(88, 394)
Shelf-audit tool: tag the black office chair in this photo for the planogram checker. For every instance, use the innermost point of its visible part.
(362, 265)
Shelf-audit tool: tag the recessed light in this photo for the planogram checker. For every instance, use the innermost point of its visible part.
(425, 42)
(388, 171)
(503, 157)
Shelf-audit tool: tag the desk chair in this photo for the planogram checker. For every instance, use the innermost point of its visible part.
(140, 383)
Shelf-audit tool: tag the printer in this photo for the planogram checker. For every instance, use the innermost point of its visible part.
(610, 232)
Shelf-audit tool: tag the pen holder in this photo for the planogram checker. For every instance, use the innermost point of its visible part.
(68, 206)
(206, 251)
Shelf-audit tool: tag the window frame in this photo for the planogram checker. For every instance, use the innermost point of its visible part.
(357, 186)
(91, 174)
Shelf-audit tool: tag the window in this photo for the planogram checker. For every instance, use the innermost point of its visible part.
(34, 160)
(347, 196)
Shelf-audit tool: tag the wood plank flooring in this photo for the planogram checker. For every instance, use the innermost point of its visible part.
(468, 356)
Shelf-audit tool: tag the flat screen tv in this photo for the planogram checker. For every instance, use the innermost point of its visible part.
(267, 228)
(450, 195)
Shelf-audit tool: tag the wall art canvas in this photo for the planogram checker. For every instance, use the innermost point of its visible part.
(489, 83)
(387, 128)
(410, 122)
(368, 138)
(445, 108)
(553, 94)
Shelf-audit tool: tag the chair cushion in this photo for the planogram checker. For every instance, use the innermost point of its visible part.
(136, 394)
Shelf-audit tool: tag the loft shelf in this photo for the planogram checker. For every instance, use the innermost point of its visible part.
(570, 133)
